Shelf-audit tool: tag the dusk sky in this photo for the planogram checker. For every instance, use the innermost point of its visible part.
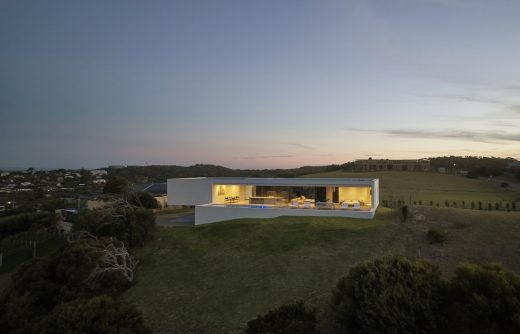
(256, 84)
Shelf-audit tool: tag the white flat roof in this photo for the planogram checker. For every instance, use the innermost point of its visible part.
(269, 181)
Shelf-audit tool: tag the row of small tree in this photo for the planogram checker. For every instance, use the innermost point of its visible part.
(398, 295)
(497, 206)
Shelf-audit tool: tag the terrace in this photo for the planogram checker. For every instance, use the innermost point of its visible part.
(218, 199)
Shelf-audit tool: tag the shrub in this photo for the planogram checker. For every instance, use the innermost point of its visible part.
(497, 206)
(483, 300)
(431, 203)
(100, 314)
(480, 205)
(436, 235)
(454, 204)
(147, 201)
(22, 222)
(463, 204)
(420, 202)
(447, 204)
(133, 226)
(117, 185)
(437, 204)
(287, 319)
(513, 206)
(403, 213)
(490, 207)
(504, 184)
(389, 295)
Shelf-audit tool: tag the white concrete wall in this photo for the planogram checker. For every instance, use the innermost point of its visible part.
(375, 194)
(205, 214)
(193, 191)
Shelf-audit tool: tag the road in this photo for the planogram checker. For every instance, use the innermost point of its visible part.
(175, 219)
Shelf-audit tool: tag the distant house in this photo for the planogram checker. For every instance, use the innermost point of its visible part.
(98, 172)
(372, 165)
(99, 181)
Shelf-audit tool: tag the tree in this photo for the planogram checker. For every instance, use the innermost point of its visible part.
(129, 224)
(389, 295)
(100, 314)
(483, 300)
(147, 201)
(117, 185)
(286, 319)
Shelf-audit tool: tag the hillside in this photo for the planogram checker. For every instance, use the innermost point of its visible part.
(213, 278)
(436, 187)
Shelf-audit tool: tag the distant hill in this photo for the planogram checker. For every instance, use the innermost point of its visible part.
(159, 173)
(482, 166)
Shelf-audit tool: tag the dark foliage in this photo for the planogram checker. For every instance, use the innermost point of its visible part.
(22, 222)
(39, 285)
(143, 174)
(389, 295)
(100, 314)
(147, 201)
(117, 185)
(476, 166)
(403, 213)
(483, 300)
(286, 319)
(133, 226)
(436, 235)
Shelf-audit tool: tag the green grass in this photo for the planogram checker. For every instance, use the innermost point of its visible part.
(219, 276)
(435, 187)
(472, 236)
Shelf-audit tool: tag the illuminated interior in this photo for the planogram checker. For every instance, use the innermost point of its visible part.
(323, 197)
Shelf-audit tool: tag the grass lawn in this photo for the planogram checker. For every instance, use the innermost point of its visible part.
(472, 236)
(217, 277)
(435, 187)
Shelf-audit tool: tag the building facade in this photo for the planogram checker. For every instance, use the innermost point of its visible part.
(225, 198)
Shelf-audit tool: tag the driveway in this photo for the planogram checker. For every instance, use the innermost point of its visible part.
(175, 219)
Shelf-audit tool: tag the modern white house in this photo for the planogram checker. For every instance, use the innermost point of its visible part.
(224, 198)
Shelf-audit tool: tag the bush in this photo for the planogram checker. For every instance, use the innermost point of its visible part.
(436, 235)
(287, 319)
(100, 314)
(117, 185)
(447, 204)
(403, 213)
(22, 222)
(504, 184)
(483, 300)
(389, 295)
(490, 207)
(133, 226)
(147, 201)
(480, 205)
(472, 205)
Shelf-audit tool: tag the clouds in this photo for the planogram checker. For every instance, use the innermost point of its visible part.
(468, 135)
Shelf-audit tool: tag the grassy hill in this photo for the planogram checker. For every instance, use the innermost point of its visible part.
(434, 187)
(219, 276)
(215, 278)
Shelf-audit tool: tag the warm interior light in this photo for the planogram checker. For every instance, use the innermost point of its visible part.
(221, 191)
